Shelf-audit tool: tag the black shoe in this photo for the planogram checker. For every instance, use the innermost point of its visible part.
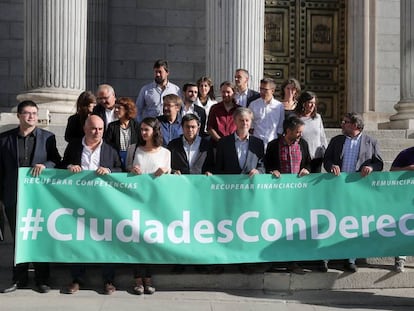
(43, 288)
(11, 289)
(351, 267)
(324, 266)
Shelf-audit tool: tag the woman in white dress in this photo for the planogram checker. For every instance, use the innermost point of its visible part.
(147, 157)
(314, 132)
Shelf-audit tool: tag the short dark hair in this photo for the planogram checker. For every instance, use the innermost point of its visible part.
(228, 84)
(161, 63)
(156, 136)
(24, 104)
(292, 123)
(356, 119)
(269, 81)
(190, 117)
(189, 84)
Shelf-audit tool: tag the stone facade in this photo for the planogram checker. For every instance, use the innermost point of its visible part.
(140, 31)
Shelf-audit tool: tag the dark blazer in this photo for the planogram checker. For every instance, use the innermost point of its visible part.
(203, 163)
(272, 156)
(227, 161)
(99, 110)
(45, 152)
(251, 96)
(368, 153)
(112, 133)
(109, 156)
(74, 128)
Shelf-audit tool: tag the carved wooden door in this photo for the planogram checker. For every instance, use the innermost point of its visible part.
(307, 40)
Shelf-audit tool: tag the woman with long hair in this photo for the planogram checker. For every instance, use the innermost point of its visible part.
(289, 93)
(314, 132)
(147, 157)
(84, 107)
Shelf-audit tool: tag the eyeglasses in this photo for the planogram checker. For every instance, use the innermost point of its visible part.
(346, 122)
(104, 98)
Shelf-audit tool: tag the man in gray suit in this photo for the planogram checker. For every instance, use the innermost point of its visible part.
(25, 146)
(353, 151)
(240, 153)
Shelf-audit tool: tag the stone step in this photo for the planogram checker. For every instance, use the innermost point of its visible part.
(372, 273)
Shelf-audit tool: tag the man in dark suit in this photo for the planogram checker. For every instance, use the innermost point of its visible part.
(240, 153)
(351, 152)
(190, 153)
(25, 146)
(105, 108)
(91, 153)
(190, 92)
(244, 96)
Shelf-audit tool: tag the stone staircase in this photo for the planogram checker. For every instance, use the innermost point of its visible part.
(373, 272)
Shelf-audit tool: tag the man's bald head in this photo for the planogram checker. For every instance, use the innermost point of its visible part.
(93, 128)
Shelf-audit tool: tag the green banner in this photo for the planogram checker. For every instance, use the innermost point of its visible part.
(197, 219)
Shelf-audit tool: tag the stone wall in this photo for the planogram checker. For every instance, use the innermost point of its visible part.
(142, 31)
(11, 51)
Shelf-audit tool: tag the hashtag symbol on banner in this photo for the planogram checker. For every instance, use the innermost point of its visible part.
(32, 224)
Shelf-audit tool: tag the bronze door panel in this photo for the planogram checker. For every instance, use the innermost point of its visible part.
(307, 40)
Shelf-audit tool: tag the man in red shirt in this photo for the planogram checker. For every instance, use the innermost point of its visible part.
(220, 120)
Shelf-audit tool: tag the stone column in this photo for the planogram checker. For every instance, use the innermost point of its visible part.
(404, 119)
(235, 39)
(54, 53)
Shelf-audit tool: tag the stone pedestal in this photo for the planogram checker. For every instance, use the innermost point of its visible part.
(235, 39)
(54, 53)
(404, 119)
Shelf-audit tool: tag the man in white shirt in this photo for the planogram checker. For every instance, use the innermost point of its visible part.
(105, 108)
(149, 101)
(244, 96)
(91, 153)
(268, 113)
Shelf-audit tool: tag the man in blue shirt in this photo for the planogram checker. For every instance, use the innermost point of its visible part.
(149, 101)
(171, 119)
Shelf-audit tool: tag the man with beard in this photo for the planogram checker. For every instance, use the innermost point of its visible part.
(190, 91)
(149, 101)
(353, 151)
(170, 120)
(220, 119)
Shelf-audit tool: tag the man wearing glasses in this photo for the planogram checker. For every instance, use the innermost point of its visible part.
(353, 151)
(105, 108)
(25, 146)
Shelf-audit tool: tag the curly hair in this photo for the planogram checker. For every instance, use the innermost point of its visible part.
(129, 106)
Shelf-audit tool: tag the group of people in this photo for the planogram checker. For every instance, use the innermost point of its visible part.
(168, 130)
